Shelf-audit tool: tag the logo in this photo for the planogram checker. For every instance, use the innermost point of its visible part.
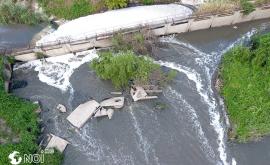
(15, 159)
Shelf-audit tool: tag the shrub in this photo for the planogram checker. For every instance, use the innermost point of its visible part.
(139, 42)
(247, 6)
(147, 2)
(116, 4)
(15, 13)
(123, 67)
(40, 55)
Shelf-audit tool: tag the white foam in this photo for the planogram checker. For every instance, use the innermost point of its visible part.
(214, 115)
(56, 71)
(115, 20)
(196, 123)
(144, 145)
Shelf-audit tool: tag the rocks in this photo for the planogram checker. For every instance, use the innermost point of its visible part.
(61, 108)
(57, 142)
(115, 102)
(116, 93)
(110, 113)
(139, 93)
(82, 113)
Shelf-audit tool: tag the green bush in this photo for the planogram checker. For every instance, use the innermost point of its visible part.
(246, 88)
(247, 6)
(116, 4)
(68, 10)
(147, 2)
(11, 13)
(123, 67)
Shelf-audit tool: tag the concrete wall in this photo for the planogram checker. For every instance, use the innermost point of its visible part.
(175, 26)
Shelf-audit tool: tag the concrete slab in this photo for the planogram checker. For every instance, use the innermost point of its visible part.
(58, 143)
(139, 93)
(82, 113)
(116, 102)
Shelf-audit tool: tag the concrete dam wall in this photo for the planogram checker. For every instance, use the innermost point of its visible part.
(161, 27)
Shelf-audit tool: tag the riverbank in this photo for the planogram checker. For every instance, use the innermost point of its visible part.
(244, 84)
(19, 129)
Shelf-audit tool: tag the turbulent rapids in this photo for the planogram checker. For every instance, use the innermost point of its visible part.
(192, 129)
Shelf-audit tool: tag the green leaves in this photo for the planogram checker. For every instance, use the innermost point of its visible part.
(15, 13)
(246, 84)
(247, 6)
(67, 9)
(123, 67)
(20, 116)
(116, 4)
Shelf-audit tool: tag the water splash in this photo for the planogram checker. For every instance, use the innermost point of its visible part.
(56, 71)
(144, 145)
(210, 101)
(171, 93)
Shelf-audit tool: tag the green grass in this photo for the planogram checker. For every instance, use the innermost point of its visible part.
(11, 13)
(20, 116)
(68, 10)
(246, 88)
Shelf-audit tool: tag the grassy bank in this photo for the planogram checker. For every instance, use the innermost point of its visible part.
(221, 6)
(20, 116)
(14, 13)
(71, 9)
(246, 89)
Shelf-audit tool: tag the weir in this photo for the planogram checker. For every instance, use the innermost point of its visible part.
(162, 26)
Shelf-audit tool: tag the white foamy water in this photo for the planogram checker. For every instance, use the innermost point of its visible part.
(56, 71)
(210, 101)
(205, 60)
(144, 145)
(97, 151)
(115, 20)
(171, 93)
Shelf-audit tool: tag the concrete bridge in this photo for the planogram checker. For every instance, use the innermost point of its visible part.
(164, 26)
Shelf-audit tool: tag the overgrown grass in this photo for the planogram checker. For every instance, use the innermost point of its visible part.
(20, 116)
(139, 42)
(261, 2)
(67, 9)
(217, 6)
(222, 6)
(246, 88)
(12, 13)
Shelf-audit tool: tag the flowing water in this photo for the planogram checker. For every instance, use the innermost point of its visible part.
(190, 131)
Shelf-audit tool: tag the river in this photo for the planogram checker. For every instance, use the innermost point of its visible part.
(192, 128)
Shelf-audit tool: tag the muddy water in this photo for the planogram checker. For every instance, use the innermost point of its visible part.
(191, 130)
(16, 36)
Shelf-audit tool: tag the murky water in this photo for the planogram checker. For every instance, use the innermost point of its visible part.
(17, 36)
(192, 129)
